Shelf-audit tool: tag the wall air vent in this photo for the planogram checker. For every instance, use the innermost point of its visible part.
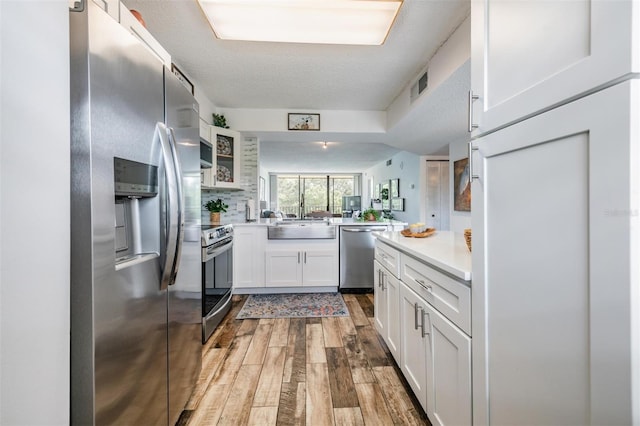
(419, 86)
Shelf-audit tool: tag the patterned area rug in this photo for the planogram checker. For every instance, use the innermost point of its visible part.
(294, 305)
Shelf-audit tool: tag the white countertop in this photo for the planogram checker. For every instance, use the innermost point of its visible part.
(445, 250)
(339, 221)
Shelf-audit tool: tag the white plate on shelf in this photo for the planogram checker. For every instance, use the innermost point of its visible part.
(223, 146)
(224, 174)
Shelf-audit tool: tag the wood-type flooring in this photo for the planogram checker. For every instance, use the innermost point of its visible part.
(301, 371)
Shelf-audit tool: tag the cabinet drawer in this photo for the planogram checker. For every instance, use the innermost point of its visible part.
(448, 296)
(388, 257)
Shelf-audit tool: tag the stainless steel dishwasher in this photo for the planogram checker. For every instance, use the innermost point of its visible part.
(356, 257)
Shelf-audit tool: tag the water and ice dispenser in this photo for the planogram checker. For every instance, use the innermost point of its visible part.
(136, 208)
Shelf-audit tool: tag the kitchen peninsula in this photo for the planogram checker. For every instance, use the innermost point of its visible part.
(422, 300)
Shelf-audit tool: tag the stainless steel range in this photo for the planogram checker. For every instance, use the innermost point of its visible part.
(217, 276)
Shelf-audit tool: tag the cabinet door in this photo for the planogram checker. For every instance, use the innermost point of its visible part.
(555, 208)
(413, 345)
(319, 268)
(392, 294)
(205, 130)
(226, 167)
(380, 309)
(248, 256)
(206, 178)
(283, 268)
(448, 371)
(527, 56)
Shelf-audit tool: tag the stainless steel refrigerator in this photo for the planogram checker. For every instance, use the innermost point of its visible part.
(135, 230)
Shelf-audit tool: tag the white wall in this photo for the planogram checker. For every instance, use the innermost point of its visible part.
(275, 120)
(406, 167)
(459, 220)
(449, 57)
(34, 212)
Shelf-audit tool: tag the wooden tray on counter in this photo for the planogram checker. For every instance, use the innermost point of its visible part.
(427, 233)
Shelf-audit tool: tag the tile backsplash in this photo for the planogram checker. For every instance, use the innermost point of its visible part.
(238, 199)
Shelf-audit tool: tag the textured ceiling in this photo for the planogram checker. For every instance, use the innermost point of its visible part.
(317, 77)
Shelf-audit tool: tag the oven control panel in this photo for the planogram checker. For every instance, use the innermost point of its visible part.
(212, 234)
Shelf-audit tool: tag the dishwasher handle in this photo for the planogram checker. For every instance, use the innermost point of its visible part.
(363, 229)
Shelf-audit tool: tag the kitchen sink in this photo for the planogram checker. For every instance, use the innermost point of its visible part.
(301, 230)
(301, 222)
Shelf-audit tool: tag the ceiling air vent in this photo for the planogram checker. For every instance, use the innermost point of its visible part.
(419, 86)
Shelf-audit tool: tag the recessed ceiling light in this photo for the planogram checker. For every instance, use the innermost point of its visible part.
(365, 22)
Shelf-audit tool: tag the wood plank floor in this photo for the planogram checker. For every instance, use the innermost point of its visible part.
(301, 371)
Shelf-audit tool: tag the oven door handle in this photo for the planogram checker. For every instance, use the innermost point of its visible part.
(218, 250)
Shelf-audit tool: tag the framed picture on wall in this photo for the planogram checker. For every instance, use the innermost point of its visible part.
(461, 186)
(377, 192)
(395, 188)
(397, 204)
(304, 121)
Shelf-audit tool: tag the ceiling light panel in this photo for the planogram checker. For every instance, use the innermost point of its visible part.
(364, 22)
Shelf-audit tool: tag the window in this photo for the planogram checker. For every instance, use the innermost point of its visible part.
(300, 195)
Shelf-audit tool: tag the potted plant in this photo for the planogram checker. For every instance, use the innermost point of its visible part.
(215, 208)
(220, 121)
(370, 215)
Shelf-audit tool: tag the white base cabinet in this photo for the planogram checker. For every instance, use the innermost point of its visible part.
(296, 263)
(424, 316)
(386, 301)
(436, 360)
(448, 371)
(249, 243)
(413, 361)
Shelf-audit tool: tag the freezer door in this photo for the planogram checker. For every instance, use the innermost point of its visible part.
(185, 295)
(118, 312)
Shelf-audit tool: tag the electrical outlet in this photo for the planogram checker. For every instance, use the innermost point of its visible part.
(240, 207)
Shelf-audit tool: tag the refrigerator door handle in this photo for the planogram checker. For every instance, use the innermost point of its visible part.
(172, 213)
(179, 205)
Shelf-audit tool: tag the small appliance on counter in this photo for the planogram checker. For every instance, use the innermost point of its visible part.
(249, 210)
(351, 204)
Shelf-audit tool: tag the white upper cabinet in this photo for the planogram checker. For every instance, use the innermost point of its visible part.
(225, 172)
(205, 130)
(528, 56)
